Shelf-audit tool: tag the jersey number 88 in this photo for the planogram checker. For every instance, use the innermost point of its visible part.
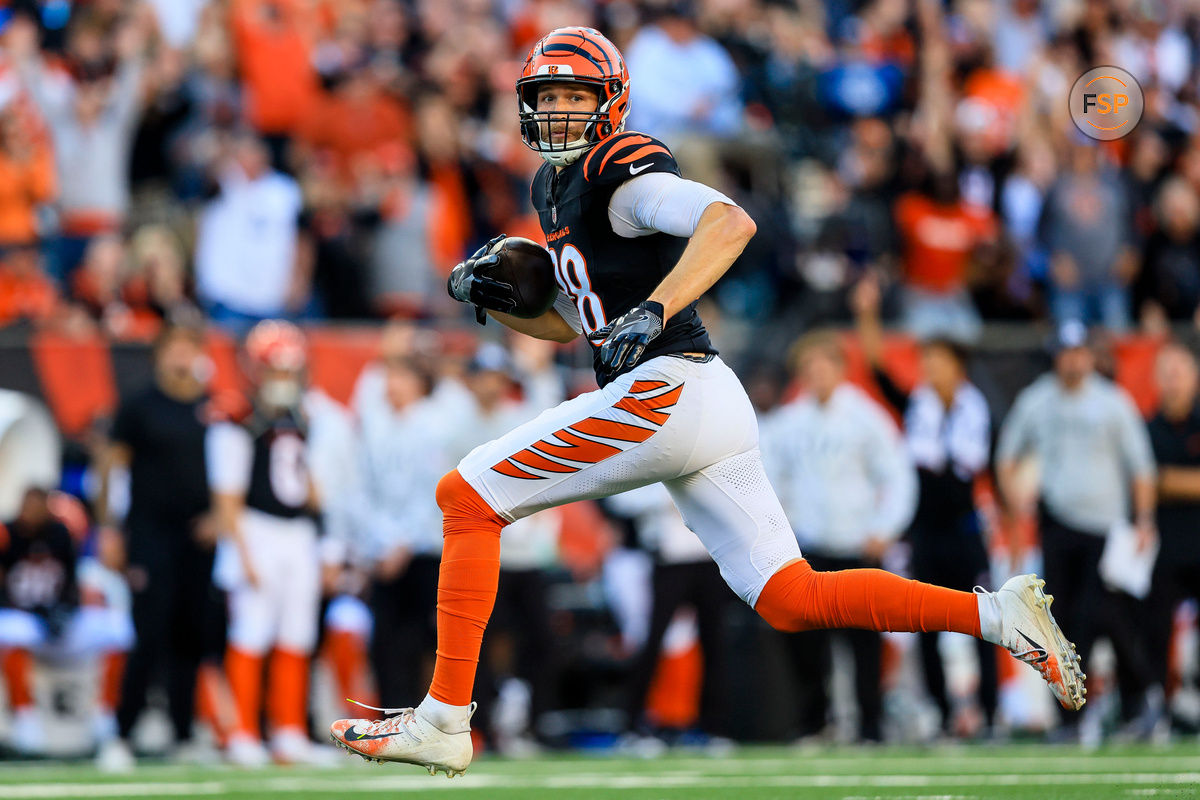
(570, 269)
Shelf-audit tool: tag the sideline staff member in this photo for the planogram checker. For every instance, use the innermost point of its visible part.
(159, 435)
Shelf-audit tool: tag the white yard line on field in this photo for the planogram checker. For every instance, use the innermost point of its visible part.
(284, 785)
(82, 790)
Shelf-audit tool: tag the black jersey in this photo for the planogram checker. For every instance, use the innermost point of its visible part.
(279, 473)
(37, 567)
(606, 274)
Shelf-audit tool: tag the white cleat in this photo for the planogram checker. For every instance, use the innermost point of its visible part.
(1029, 632)
(115, 758)
(407, 736)
(292, 746)
(246, 752)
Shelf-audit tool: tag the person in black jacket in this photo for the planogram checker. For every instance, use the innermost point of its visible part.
(1175, 436)
(947, 430)
(158, 435)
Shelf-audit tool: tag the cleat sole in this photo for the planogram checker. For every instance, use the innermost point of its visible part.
(432, 768)
(1074, 676)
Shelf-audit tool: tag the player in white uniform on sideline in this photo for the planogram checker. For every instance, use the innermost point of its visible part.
(616, 214)
(268, 561)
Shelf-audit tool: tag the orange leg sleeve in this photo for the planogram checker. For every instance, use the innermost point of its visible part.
(467, 584)
(245, 682)
(287, 704)
(798, 599)
(17, 666)
(112, 669)
(346, 654)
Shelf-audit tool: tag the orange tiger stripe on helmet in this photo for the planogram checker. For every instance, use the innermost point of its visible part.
(575, 55)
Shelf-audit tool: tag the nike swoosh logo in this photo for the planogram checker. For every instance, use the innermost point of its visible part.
(635, 170)
(352, 734)
(1044, 655)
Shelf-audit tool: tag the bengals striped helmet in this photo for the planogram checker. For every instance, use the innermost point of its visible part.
(275, 344)
(573, 55)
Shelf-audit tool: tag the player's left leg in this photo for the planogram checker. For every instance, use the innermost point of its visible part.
(733, 509)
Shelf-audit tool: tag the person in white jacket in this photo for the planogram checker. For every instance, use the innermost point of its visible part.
(849, 490)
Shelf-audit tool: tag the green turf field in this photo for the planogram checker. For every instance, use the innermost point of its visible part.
(982, 773)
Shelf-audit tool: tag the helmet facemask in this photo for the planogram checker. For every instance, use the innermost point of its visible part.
(598, 123)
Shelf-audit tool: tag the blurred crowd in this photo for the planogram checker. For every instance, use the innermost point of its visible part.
(313, 159)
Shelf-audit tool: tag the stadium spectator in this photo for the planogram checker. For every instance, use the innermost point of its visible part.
(1093, 454)
(92, 113)
(947, 430)
(1175, 436)
(942, 234)
(158, 438)
(27, 174)
(274, 41)
(1171, 272)
(26, 294)
(250, 264)
(1085, 228)
(849, 491)
(691, 83)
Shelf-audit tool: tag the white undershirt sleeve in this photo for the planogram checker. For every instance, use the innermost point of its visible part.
(229, 452)
(660, 202)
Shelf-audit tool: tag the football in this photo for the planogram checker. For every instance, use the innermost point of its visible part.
(527, 266)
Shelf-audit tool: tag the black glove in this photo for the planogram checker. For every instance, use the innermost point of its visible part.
(468, 283)
(625, 338)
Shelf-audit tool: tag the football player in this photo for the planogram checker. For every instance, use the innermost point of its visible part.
(634, 246)
(268, 560)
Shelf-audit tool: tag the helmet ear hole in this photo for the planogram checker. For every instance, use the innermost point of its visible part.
(606, 129)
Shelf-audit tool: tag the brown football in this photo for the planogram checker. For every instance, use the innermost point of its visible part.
(527, 266)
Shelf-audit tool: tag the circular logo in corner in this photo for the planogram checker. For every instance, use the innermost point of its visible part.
(1106, 103)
